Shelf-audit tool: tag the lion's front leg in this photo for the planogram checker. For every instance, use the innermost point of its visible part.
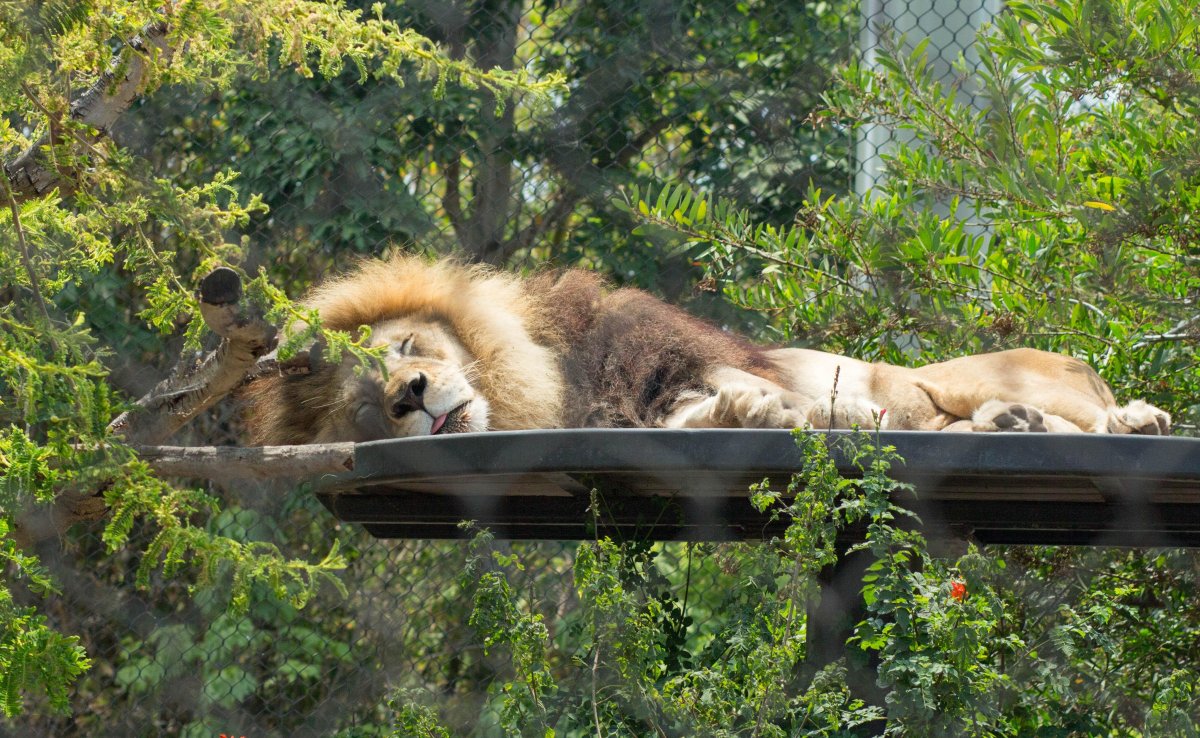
(740, 406)
(847, 411)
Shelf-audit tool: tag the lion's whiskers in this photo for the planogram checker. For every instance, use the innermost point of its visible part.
(336, 403)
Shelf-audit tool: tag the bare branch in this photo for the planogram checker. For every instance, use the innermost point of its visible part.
(1184, 330)
(223, 463)
(26, 261)
(29, 175)
(452, 199)
(197, 384)
(531, 235)
(36, 523)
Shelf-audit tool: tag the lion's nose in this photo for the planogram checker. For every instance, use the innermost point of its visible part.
(412, 397)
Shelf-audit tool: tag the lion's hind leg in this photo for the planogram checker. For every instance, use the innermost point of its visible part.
(996, 416)
(1139, 417)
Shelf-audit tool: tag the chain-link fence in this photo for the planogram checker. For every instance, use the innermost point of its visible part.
(716, 94)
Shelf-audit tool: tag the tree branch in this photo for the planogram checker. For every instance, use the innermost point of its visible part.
(302, 363)
(492, 192)
(529, 236)
(217, 463)
(452, 198)
(1184, 330)
(223, 463)
(30, 175)
(34, 284)
(195, 385)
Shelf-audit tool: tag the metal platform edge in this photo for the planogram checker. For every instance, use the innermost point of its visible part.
(1003, 488)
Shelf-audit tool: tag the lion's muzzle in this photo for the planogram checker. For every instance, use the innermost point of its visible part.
(411, 398)
(432, 402)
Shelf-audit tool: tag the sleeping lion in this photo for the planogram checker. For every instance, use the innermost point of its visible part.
(473, 349)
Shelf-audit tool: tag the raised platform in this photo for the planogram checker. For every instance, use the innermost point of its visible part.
(692, 485)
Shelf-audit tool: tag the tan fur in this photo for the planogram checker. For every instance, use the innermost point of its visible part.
(1050, 392)
(470, 348)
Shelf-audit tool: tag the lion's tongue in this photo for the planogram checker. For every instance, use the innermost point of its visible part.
(438, 422)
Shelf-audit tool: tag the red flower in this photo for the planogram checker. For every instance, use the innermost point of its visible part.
(958, 590)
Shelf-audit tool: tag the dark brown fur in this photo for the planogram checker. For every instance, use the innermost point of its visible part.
(628, 356)
(288, 410)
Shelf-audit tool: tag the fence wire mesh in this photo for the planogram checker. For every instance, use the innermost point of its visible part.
(716, 93)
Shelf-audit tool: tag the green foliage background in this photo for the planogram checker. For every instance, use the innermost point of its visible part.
(691, 147)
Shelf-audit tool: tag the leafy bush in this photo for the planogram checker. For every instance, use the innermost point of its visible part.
(975, 644)
(1047, 199)
(77, 205)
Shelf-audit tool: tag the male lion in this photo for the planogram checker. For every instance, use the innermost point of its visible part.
(473, 349)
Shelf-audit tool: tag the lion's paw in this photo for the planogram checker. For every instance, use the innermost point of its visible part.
(849, 412)
(744, 406)
(1009, 417)
(1140, 418)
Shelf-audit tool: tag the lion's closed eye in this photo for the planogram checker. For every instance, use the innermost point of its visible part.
(405, 347)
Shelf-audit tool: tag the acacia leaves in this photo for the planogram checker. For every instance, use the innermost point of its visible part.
(99, 255)
(333, 34)
(36, 658)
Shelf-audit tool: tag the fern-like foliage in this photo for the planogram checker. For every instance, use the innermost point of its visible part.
(35, 658)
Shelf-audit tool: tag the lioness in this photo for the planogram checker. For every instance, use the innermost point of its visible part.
(473, 349)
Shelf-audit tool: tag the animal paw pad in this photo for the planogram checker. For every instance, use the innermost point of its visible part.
(997, 416)
(1141, 418)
